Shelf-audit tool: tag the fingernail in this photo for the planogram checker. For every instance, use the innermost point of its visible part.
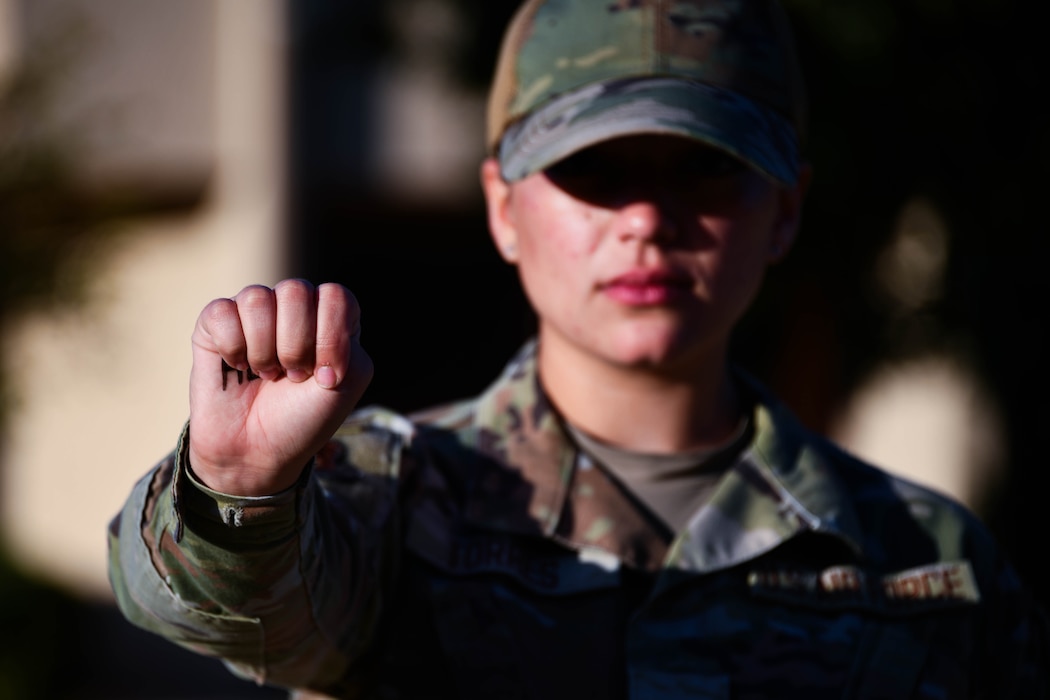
(325, 376)
(296, 375)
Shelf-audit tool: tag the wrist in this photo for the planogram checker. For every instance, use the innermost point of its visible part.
(240, 480)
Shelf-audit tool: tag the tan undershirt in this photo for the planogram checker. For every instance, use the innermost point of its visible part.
(671, 486)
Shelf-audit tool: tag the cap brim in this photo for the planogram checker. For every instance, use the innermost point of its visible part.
(726, 120)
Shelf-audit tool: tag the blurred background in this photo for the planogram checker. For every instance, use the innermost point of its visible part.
(155, 155)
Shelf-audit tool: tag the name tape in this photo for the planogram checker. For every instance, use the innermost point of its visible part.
(945, 581)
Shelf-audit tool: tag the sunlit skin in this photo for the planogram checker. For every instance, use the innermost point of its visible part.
(254, 438)
(639, 256)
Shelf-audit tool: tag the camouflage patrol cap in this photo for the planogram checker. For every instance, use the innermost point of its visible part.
(573, 73)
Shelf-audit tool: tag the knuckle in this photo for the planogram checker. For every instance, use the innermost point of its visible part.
(217, 309)
(292, 351)
(255, 297)
(294, 290)
(219, 317)
(337, 295)
(331, 341)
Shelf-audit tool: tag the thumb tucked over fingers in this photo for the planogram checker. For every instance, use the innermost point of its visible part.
(358, 370)
(326, 377)
(341, 363)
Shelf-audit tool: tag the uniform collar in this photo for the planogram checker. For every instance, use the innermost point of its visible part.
(527, 461)
(783, 485)
(532, 480)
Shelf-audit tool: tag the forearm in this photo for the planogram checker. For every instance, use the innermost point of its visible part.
(268, 584)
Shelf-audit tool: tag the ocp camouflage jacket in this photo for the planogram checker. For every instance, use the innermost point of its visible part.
(473, 552)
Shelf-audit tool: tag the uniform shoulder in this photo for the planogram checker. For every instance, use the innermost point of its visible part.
(375, 439)
(897, 522)
(453, 416)
(789, 443)
(370, 440)
(868, 481)
(921, 520)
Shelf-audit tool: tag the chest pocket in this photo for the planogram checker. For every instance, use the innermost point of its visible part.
(919, 627)
(522, 617)
(820, 634)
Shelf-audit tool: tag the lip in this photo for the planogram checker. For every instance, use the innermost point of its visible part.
(648, 287)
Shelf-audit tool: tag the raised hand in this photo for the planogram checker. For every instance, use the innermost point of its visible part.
(275, 372)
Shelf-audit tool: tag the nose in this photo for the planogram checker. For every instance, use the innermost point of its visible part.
(646, 219)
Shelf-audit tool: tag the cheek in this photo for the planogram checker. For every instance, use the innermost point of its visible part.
(742, 246)
(550, 268)
(745, 231)
(556, 239)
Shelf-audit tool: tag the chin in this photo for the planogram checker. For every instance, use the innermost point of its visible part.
(652, 349)
(661, 346)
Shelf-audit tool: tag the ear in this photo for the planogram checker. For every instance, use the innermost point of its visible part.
(497, 199)
(785, 230)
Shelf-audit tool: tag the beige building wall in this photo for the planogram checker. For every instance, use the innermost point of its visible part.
(164, 90)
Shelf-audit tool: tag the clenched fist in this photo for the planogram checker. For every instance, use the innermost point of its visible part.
(275, 372)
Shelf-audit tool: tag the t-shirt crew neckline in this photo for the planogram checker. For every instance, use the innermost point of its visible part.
(671, 487)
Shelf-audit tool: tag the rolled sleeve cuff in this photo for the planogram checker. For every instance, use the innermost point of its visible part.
(232, 521)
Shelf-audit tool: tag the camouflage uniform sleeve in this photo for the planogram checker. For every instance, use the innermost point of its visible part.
(285, 589)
